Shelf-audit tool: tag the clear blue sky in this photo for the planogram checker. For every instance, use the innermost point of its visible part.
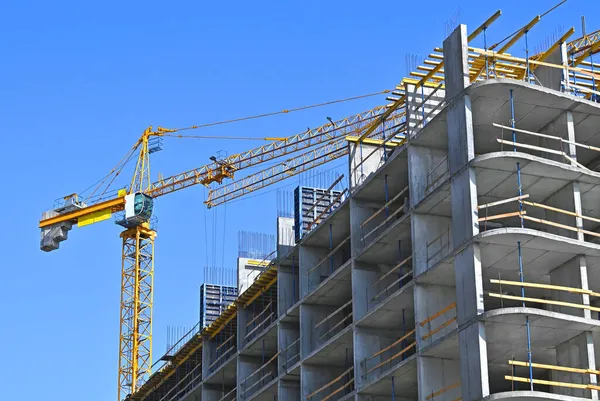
(80, 82)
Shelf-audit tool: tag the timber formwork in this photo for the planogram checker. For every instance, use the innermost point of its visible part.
(463, 265)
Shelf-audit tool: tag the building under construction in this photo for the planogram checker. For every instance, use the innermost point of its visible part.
(462, 262)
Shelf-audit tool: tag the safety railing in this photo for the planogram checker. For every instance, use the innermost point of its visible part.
(576, 80)
(346, 386)
(438, 248)
(261, 321)
(386, 357)
(442, 393)
(291, 355)
(371, 226)
(542, 301)
(523, 215)
(556, 368)
(401, 274)
(224, 350)
(425, 107)
(259, 378)
(332, 264)
(431, 331)
(562, 149)
(337, 320)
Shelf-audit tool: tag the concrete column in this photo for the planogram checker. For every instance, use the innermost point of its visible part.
(550, 77)
(435, 374)
(285, 236)
(208, 352)
(463, 188)
(288, 288)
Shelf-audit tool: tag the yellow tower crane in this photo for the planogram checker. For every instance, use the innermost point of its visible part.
(134, 206)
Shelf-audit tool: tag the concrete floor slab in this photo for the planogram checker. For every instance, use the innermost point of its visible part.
(530, 396)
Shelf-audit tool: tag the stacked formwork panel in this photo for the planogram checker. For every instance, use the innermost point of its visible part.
(214, 299)
(463, 266)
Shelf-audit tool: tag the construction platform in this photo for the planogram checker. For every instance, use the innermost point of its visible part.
(463, 265)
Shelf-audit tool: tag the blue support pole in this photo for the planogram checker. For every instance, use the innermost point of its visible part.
(487, 68)
(331, 248)
(512, 118)
(393, 390)
(385, 187)
(293, 280)
(527, 55)
(423, 103)
(403, 333)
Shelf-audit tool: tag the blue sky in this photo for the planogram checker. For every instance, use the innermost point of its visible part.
(80, 82)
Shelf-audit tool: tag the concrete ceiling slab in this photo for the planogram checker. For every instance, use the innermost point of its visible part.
(335, 351)
(335, 290)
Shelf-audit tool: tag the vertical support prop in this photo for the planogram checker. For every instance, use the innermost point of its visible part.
(331, 247)
(385, 188)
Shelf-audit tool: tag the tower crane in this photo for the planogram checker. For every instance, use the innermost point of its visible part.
(133, 206)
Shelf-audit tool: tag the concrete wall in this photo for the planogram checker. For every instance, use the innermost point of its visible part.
(364, 160)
